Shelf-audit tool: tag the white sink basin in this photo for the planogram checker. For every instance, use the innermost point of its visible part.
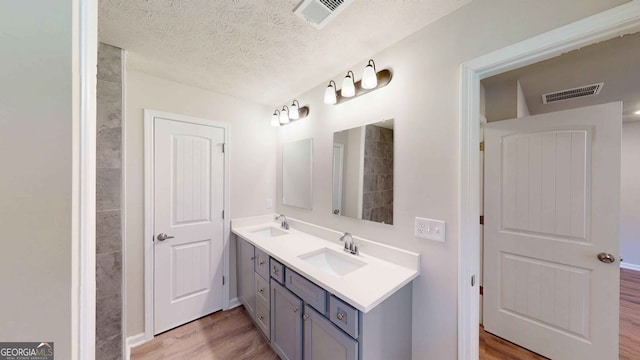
(333, 262)
(269, 231)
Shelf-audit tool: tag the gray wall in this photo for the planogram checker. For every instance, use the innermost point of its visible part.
(108, 214)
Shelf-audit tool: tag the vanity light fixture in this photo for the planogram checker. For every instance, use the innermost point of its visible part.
(287, 114)
(348, 86)
(369, 77)
(637, 112)
(284, 115)
(294, 113)
(275, 118)
(371, 80)
(330, 93)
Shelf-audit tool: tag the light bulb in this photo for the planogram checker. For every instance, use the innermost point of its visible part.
(294, 111)
(284, 115)
(369, 77)
(330, 94)
(275, 118)
(348, 87)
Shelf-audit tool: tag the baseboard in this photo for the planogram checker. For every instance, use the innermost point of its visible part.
(630, 266)
(133, 341)
(233, 303)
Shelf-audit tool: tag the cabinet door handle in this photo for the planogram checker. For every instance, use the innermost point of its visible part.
(275, 270)
(295, 309)
(340, 316)
(261, 263)
(253, 258)
(261, 317)
(305, 317)
(261, 291)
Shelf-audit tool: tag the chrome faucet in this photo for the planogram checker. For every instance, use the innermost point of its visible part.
(350, 245)
(284, 224)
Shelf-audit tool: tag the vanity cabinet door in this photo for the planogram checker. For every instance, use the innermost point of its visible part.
(323, 340)
(246, 275)
(286, 322)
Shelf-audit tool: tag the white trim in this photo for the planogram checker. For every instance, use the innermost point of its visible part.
(620, 20)
(83, 242)
(233, 303)
(149, 116)
(131, 342)
(123, 196)
(630, 266)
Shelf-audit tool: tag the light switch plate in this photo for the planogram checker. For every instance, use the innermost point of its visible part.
(269, 203)
(430, 229)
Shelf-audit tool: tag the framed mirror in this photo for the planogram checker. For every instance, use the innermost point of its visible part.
(297, 168)
(363, 172)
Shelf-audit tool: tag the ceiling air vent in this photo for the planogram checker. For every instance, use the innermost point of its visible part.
(587, 90)
(319, 12)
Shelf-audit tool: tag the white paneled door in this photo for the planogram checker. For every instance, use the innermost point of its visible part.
(552, 193)
(188, 221)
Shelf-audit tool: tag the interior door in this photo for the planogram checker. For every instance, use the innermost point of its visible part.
(552, 193)
(188, 221)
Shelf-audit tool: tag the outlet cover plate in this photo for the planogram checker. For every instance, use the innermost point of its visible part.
(430, 229)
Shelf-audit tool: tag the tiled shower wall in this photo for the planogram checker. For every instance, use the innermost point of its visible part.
(108, 207)
(378, 175)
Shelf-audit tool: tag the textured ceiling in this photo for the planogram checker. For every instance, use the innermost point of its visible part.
(257, 49)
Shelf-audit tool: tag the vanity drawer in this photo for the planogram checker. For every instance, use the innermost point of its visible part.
(263, 293)
(263, 318)
(344, 316)
(262, 264)
(311, 293)
(277, 271)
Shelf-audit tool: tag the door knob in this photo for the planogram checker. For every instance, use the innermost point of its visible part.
(606, 258)
(163, 237)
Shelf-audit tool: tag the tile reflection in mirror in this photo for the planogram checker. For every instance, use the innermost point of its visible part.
(363, 172)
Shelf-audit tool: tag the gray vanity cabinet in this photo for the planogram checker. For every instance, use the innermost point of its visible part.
(246, 275)
(286, 322)
(323, 340)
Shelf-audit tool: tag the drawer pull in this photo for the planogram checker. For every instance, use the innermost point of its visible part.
(261, 291)
(275, 270)
(295, 309)
(253, 258)
(261, 317)
(261, 263)
(340, 316)
(305, 317)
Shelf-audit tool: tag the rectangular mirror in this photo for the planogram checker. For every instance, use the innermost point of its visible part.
(297, 167)
(363, 172)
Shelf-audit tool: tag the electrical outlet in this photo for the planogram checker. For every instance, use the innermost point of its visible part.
(430, 229)
(269, 203)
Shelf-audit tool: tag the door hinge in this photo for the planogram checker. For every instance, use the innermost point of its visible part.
(481, 219)
(481, 145)
(223, 280)
(223, 147)
(473, 280)
(223, 214)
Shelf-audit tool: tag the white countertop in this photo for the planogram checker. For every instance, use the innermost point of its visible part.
(363, 288)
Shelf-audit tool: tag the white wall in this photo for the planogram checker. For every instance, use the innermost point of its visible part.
(422, 98)
(252, 148)
(630, 195)
(36, 125)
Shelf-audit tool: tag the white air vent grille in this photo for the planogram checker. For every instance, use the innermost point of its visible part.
(587, 90)
(319, 12)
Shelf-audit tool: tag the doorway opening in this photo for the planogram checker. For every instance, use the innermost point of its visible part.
(624, 19)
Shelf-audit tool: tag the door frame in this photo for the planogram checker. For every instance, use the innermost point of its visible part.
(149, 215)
(340, 148)
(623, 19)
